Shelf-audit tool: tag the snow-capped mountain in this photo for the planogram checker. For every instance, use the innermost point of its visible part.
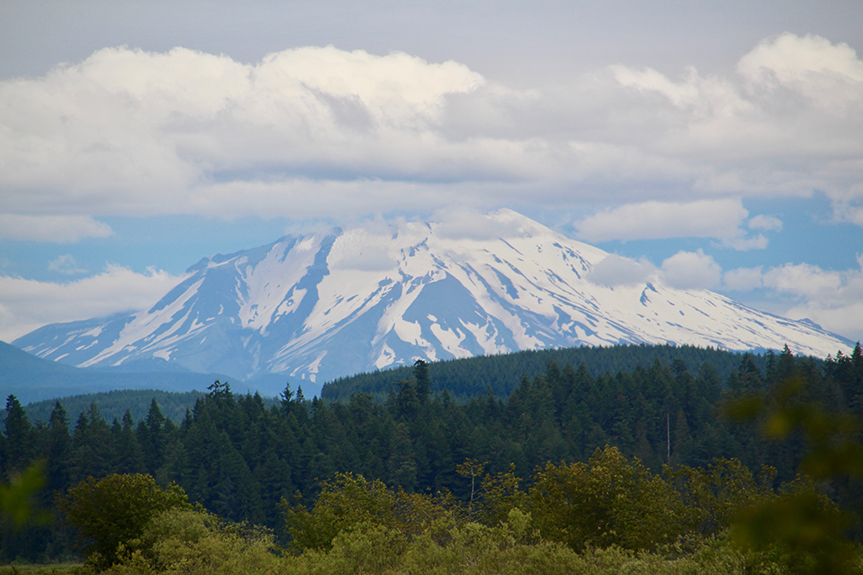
(316, 307)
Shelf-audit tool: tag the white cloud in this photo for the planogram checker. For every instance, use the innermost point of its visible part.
(707, 97)
(830, 298)
(60, 229)
(745, 244)
(691, 270)
(828, 74)
(767, 223)
(803, 280)
(141, 133)
(788, 123)
(128, 132)
(833, 299)
(365, 248)
(464, 224)
(657, 220)
(743, 279)
(720, 219)
(367, 262)
(842, 319)
(616, 270)
(849, 207)
(65, 264)
(853, 215)
(28, 304)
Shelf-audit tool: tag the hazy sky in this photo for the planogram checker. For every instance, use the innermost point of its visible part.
(720, 143)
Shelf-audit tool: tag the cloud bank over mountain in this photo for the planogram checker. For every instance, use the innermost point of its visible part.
(28, 304)
(139, 133)
(632, 151)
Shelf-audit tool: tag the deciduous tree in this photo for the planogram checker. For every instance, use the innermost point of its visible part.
(115, 510)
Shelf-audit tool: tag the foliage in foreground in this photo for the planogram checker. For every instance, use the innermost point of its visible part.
(113, 513)
(238, 455)
(191, 543)
(609, 515)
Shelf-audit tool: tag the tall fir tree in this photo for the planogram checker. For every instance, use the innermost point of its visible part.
(19, 438)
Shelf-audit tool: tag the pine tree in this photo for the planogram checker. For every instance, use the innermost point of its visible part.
(423, 382)
(92, 451)
(401, 467)
(129, 456)
(19, 438)
(58, 449)
(152, 438)
(406, 404)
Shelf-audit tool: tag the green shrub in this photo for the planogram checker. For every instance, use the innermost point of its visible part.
(193, 542)
(113, 511)
(350, 501)
(607, 501)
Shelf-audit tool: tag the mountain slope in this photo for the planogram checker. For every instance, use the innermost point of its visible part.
(312, 308)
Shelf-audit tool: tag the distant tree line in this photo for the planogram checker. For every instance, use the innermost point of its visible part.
(114, 404)
(239, 458)
(466, 378)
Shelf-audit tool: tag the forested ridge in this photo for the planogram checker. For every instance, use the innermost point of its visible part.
(114, 404)
(241, 460)
(463, 378)
(468, 377)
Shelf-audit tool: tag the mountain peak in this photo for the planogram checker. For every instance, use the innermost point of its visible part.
(314, 307)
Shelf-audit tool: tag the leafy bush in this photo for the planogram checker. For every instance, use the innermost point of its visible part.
(607, 501)
(110, 514)
(350, 502)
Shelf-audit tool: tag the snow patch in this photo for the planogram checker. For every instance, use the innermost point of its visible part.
(486, 336)
(95, 332)
(450, 340)
(305, 245)
(315, 365)
(386, 357)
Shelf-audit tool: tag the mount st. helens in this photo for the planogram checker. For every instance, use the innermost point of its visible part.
(313, 308)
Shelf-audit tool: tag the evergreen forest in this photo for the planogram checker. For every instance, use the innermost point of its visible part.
(594, 466)
(466, 378)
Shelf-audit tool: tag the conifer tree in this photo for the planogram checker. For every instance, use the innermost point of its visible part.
(58, 449)
(129, 456)
(423, 381)
(19, 438)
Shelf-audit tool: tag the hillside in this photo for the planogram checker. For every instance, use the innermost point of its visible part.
(114, 404)
(471, 377)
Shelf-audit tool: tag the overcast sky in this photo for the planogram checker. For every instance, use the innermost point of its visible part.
(720, 143)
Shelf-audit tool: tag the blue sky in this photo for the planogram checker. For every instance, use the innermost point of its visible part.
(720, 143)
